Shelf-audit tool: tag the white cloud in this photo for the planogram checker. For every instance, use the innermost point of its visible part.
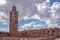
(3, 17)
(35, 16)
(25, 10)
(48, 1)
(4, 23)
(45, 13)
(31, 26)
(53, 26)
(51, 17)
(44, 10)
(55, 10)
(2, 2)
(4, 29)
(38, 10)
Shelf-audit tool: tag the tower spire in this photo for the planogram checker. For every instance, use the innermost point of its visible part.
(14, 8)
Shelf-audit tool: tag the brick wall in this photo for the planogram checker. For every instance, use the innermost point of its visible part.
(39, 33)
(35, 33)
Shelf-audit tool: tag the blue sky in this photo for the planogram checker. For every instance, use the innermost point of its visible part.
(31, 11)
(52, 1)
(36, 21)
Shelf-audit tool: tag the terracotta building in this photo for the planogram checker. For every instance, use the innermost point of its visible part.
(13, 21)
(42, 33)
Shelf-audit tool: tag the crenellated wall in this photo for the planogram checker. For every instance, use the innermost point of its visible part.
(35, 33)
(43, 34)
(39, 33)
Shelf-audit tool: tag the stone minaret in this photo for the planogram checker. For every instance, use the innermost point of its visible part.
(13, 21)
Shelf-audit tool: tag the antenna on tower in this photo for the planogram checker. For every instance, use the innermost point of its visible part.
(14, 8)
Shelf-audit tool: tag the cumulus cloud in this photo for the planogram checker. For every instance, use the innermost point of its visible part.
(3, 17)
(4, 23)
(39, 9)
(2, 2)
(25, 7)
(3, 30)
(44, 10)
(50, 14)
(55, 10)
(35, 16)
(32, 26)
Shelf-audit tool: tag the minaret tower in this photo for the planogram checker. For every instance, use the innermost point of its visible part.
(13, 21)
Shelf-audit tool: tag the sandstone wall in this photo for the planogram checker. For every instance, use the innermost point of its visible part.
(35, 33)
(39, 33)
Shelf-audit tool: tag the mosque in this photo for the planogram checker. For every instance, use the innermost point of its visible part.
(42, 34)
